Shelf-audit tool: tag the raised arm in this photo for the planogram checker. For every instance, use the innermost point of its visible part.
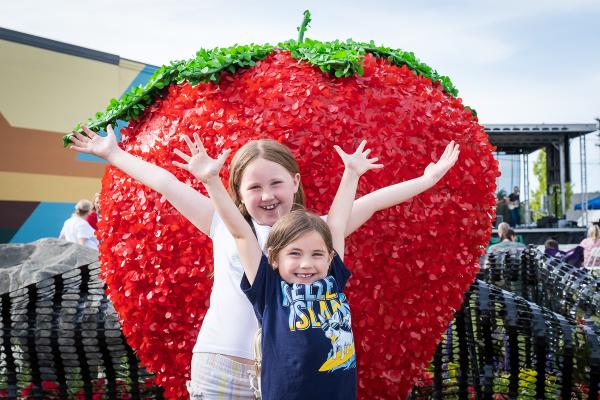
(389, 196)
(206, 169)
(194, 206)
(355, 164)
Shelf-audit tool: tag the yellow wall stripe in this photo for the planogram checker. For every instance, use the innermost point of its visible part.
(46, 90)
(16, 186)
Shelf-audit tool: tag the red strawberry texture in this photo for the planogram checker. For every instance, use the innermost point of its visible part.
(411, 264)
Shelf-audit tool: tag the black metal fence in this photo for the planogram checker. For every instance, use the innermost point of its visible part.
(61, 339)
(547, 281)
(537, 340)
(528, 329)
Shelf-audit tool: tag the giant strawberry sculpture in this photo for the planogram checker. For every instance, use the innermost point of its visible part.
(411, 264)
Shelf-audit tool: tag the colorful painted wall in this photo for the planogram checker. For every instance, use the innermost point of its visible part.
(47, 88)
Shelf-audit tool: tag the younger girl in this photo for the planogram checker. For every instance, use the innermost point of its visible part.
(297, 293)
(264, 183)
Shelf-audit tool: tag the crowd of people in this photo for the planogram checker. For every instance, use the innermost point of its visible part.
(81, 226)
(586, 254)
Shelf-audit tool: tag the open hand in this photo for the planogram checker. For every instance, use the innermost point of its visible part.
(358, 162)
(199, 163)
(101, 146)
(435, 171)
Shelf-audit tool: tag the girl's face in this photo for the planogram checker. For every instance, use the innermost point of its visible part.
(305, 260)
(267, 190)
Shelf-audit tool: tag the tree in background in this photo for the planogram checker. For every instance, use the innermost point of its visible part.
(538, 208)
(539, 170)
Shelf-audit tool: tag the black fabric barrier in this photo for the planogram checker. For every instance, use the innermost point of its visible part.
(61, 339)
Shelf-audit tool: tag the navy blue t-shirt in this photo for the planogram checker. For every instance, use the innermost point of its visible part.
(307, 342)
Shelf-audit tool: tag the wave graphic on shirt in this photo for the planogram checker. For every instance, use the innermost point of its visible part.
(338, 330)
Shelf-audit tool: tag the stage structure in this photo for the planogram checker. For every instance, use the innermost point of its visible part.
(524, 139)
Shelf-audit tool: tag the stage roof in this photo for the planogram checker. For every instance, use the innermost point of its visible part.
(527, 138)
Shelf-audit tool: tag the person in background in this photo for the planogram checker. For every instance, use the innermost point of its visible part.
(591, 247)
(551, 248)
(77, 230)
(503, 228)
(508, 240)
(514, 208)
(92, 218)
(574, 256)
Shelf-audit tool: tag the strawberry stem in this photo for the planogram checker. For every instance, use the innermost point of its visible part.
(302, 27)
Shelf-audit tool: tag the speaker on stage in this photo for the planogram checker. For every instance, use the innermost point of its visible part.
(548, 221)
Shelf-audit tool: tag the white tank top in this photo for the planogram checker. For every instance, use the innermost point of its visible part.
(230, 323)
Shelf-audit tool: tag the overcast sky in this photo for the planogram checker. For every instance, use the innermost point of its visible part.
(513, 61)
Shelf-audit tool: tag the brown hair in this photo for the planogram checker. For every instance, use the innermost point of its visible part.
(270, 150)
(293, 225)
(511, 235)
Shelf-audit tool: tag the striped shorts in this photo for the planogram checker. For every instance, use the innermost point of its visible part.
(216, 377)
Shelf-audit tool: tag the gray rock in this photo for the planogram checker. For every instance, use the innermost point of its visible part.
(24, 264)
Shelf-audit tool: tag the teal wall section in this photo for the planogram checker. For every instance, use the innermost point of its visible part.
(46, 221)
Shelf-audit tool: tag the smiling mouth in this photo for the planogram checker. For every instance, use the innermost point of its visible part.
(270, 206)
(304, 276)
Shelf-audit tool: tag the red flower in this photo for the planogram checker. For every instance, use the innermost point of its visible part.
(411, 264)
(50, 390)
